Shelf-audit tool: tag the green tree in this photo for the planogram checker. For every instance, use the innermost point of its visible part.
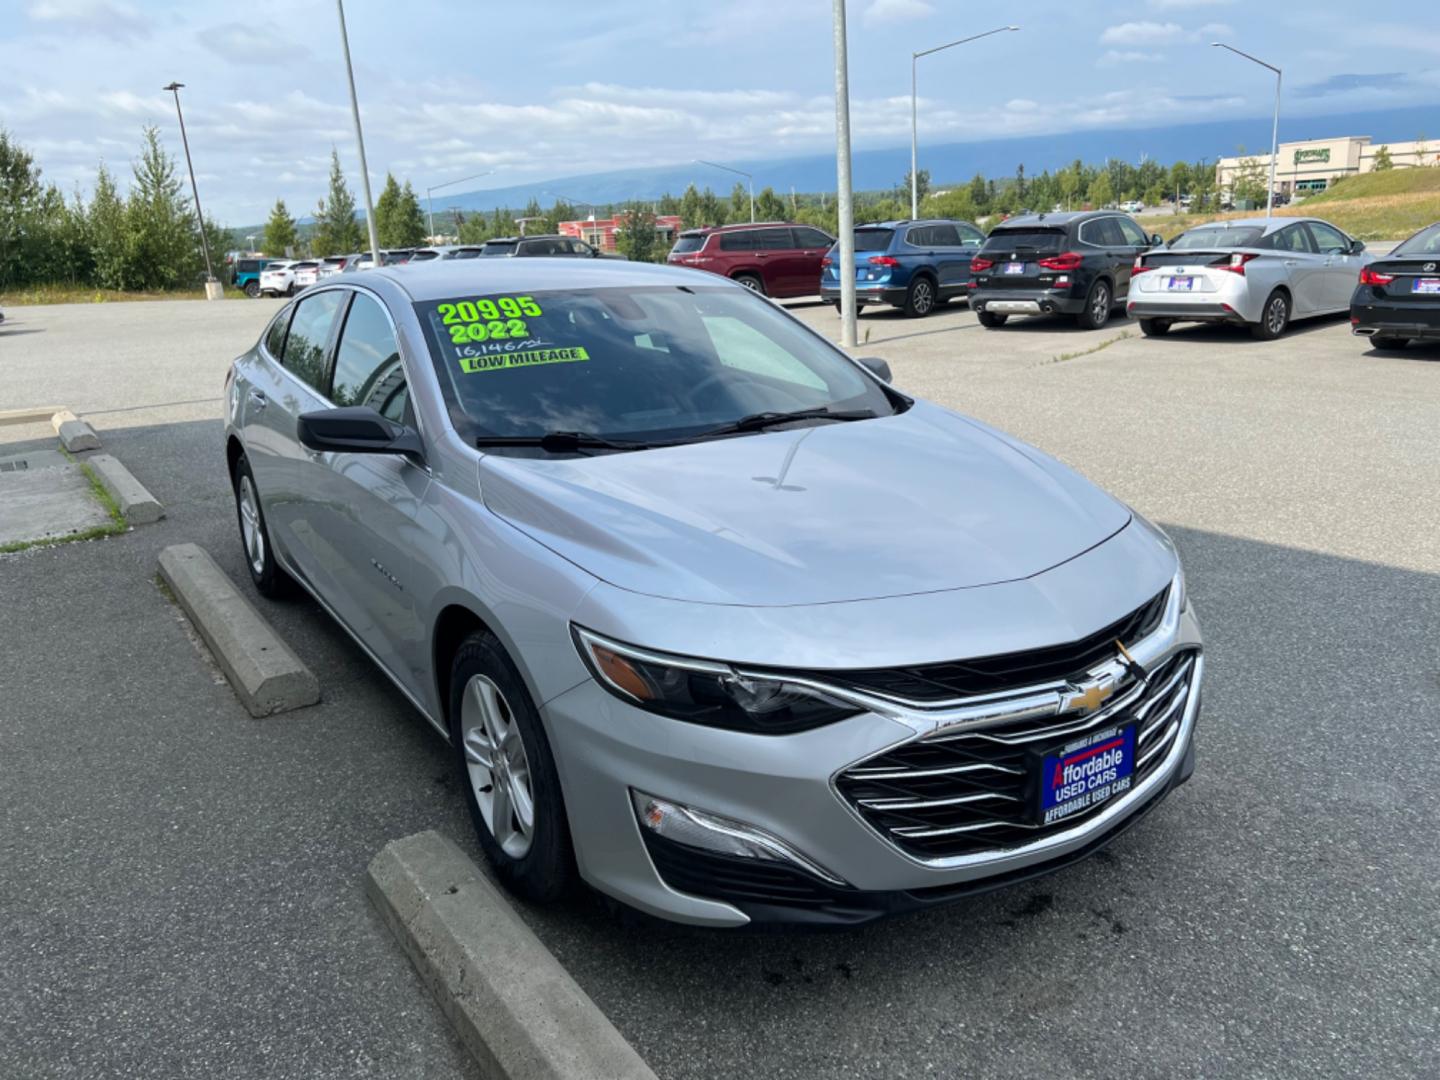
(740, 204)
(1249, 182)
(955, 203)
(280, 235)
(690, 214)
(669, 204)
(19, 192)
(712, 210)
(1382, 159)
(387, 214)
(770, 207)
(979, 194)
(1069, 181)
(637, 238)
(1020, 184)
(336, 230)
(1101, 194)
(410, 219)
(107, 232)
(922, 185)
(162, 242)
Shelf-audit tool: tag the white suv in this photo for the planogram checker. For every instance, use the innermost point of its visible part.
(277, 279)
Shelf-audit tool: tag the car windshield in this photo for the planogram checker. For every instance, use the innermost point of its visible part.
(1024, 239)
(873, 239)
(1209, 239)
(687, 244)
(1425, 242)
(639, 364)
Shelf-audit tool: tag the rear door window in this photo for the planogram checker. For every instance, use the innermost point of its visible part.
(275, 336)
(921, 236)
(872, 239)
(1290, 238)
(1102, 232)
(970, 236)
(776, 240)
(945, 236)
(1330, 240)
(1133, 234)
(309, 335)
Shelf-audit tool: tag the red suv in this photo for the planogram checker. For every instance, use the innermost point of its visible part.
(774, 258)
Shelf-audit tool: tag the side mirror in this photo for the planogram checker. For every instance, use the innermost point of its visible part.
(1157, 240)
(357, 429)
(877, 367)
(1357, 246)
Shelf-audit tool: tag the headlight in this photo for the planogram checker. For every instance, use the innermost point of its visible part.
(706, 692)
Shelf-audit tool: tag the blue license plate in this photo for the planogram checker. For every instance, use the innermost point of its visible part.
(1180, 284)
(1426, 285)
(1014, 268)
(1085, 772)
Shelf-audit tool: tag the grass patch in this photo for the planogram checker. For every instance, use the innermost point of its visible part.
(1371, 185)
(1124, 335)
(84, 294)
(114, 527)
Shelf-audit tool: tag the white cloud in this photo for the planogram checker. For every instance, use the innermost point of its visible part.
(1120, 58)
(1143, 33)
(887, 11)
(1211, 31)
(252, 44)
(106, 18)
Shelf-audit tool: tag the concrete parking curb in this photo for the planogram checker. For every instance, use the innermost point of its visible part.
(266, 676)
(75, 434)
(516, 1009)
(9, 417)
(137, 505)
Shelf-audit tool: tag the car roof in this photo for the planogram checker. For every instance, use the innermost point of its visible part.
(1064, 217)
(1268, 224)
(706, 230)
(440, 279)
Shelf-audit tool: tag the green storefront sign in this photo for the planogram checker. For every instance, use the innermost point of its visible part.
(1303, 157)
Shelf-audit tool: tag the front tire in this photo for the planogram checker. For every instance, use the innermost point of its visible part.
(1389, 342)
(270, 579)
(252, 289)
(1097, 307)
(990, 321)
(919, 298)
(1274, 317)
(1155, 327)
(511, 785)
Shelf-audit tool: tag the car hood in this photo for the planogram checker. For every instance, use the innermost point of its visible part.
(919, 502)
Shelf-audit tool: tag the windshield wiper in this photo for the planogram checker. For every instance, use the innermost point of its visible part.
(564, 442)
(762, 420)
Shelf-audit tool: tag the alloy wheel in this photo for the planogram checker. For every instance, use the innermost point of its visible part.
(498, 766)
(252, 533)
(1275, 315)
(1100, 306)
(924, 297)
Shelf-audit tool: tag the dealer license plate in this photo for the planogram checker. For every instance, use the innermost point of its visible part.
(1179, 284)
(1426, 285)
(1014, 268)
(1085, 772)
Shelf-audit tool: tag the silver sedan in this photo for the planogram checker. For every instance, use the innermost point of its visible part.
(1257, 272)
(711, 616)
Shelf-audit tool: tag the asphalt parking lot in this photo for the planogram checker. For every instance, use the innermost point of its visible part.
(183, 884)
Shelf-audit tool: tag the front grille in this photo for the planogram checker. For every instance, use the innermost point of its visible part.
(970, 792)
(992, 674)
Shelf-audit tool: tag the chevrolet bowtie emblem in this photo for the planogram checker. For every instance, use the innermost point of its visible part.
(1089, 699)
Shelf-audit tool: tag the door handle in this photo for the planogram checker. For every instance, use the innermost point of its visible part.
(1292, 262)
(258, 398)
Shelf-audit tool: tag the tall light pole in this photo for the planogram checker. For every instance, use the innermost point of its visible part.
(1274, 131)
(915, 108)
(359, 140)
(174, 88)
(430, 203)
(843, 200)
(738, 172)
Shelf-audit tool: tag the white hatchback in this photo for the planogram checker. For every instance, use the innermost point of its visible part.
(277, 279)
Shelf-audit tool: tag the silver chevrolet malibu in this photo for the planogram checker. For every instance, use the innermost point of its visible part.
(712, 616)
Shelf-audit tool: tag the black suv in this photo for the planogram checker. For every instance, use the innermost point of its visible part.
(563, 246)
(1057, 264)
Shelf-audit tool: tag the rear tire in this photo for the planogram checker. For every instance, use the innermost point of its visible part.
(752, 282)
(1274, 317)
(919, 298)
(1155, 327)
(1389, 342)
(252, 289)
(1097, 307)
(270, 580)
(990, 321)
(508, 773)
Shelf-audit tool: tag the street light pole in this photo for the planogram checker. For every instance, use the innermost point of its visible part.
(430, 203)
(1275, 128)
(843, 196)
(359, 139)
(174, 88)
(738, 172)
(915, 108)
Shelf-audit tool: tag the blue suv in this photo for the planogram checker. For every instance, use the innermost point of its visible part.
(912, 265)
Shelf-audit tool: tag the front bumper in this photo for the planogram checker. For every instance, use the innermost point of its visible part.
(787, 786)
(1026, 301)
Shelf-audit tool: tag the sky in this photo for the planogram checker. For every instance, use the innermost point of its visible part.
(554, 88)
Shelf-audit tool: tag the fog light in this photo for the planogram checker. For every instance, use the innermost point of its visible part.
(722, 835)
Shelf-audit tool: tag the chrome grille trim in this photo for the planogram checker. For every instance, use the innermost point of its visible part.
(1162, 709)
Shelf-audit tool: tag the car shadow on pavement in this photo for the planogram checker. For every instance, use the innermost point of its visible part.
(1313, 788)
(1193, 332)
